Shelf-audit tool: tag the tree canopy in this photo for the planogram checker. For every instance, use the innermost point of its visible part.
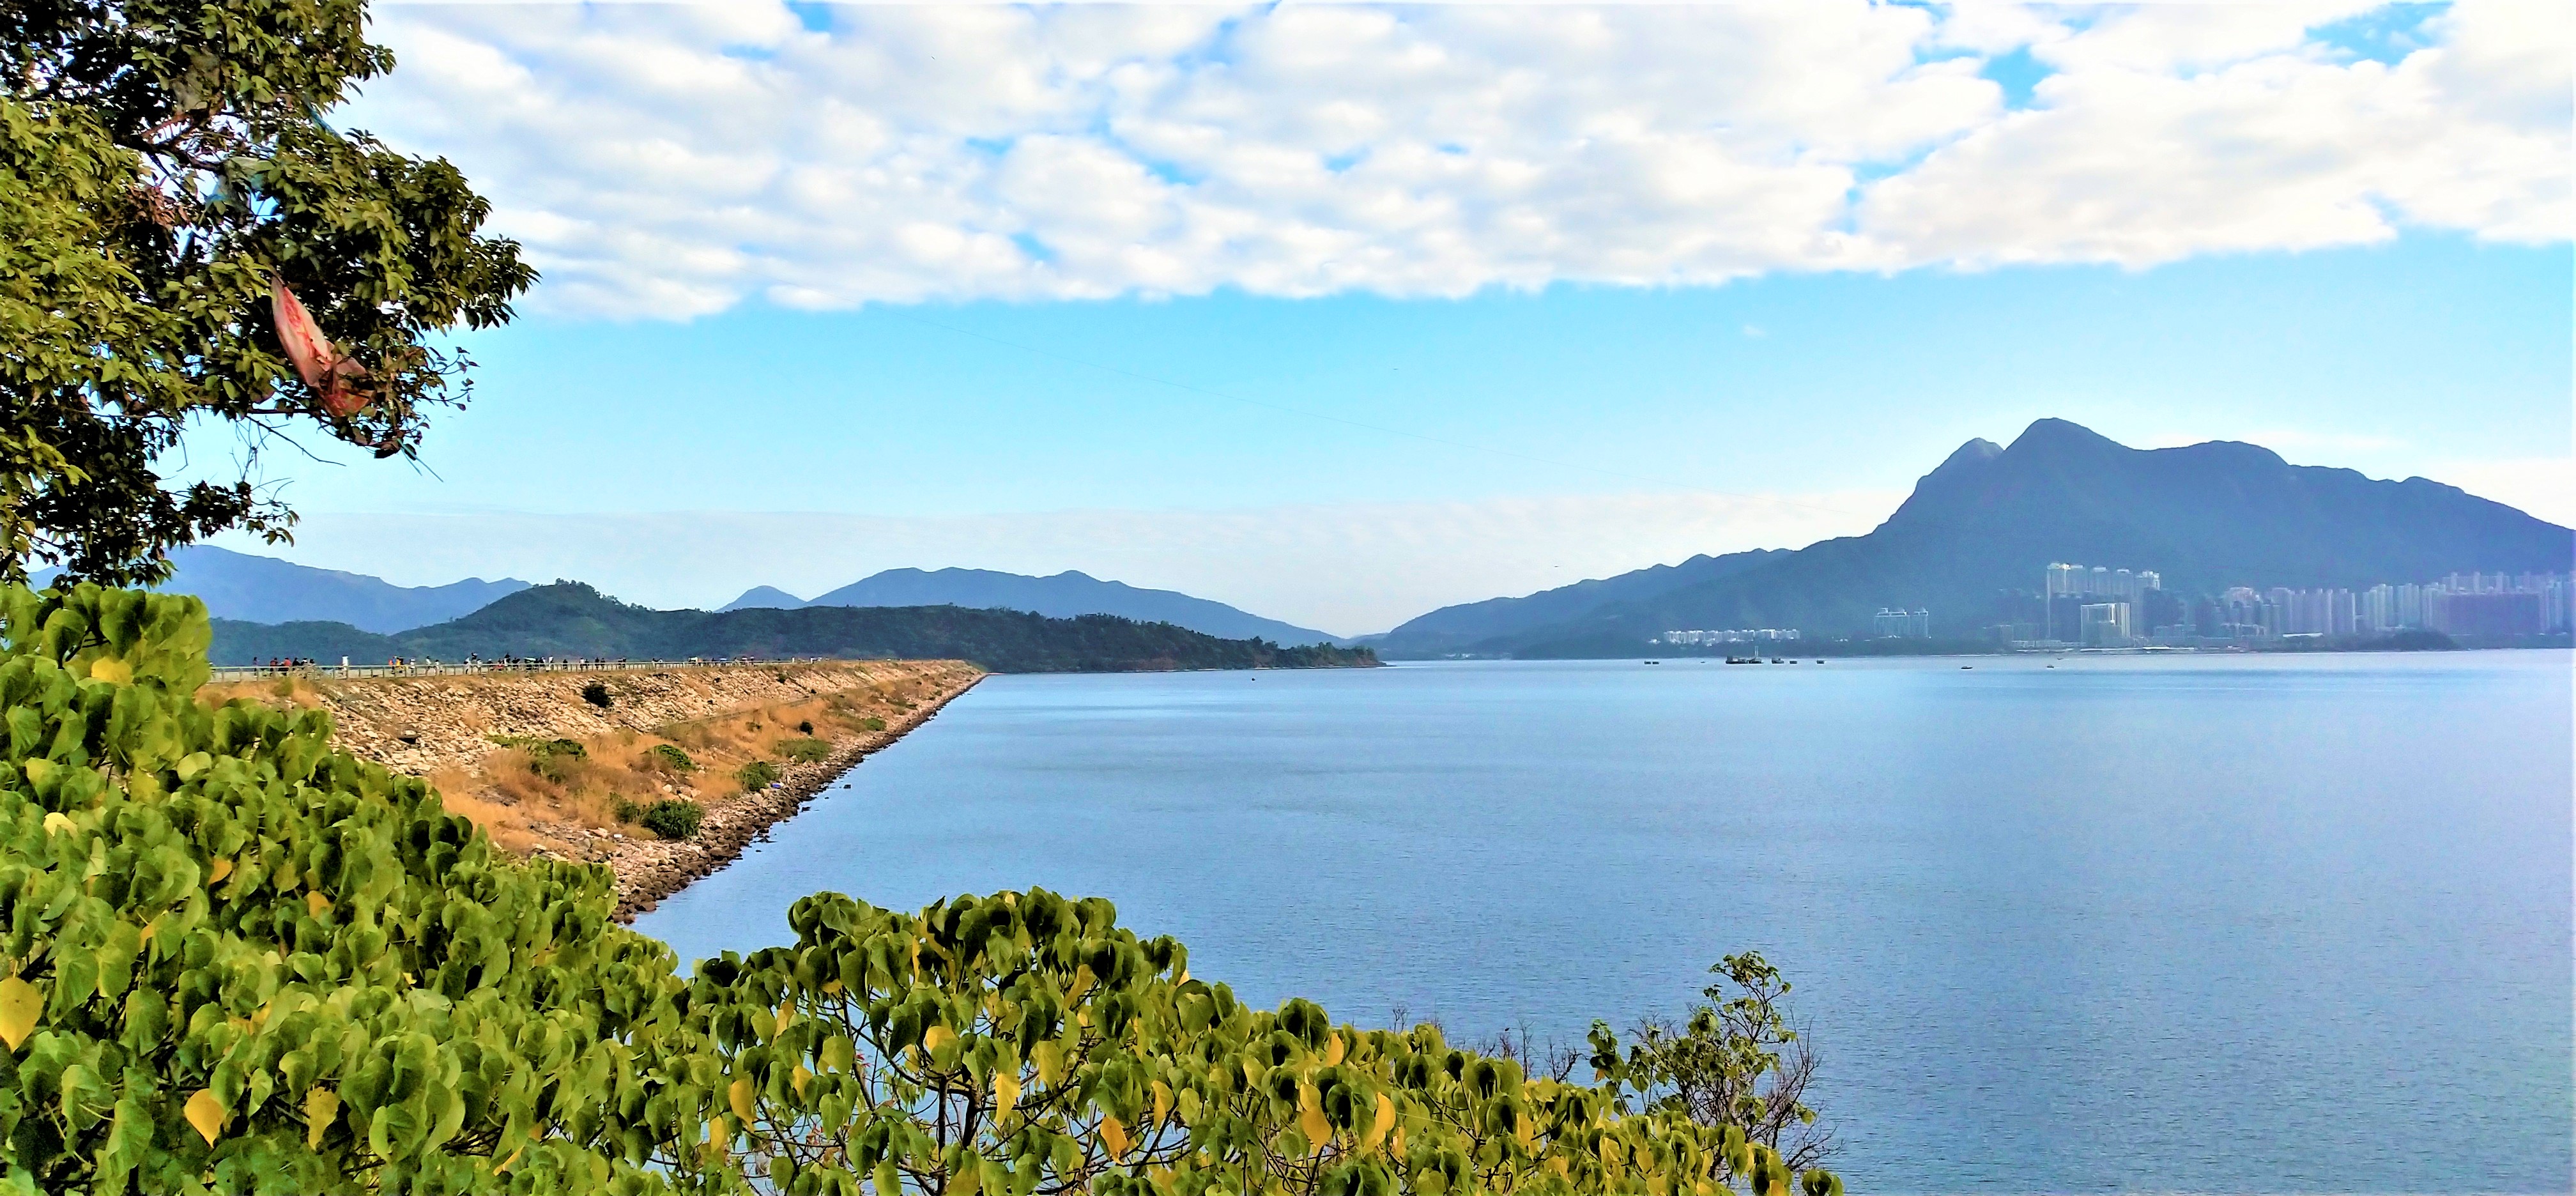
(171, 191)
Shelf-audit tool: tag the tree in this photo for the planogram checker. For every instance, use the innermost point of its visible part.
(1733, 1062)
(172, 204)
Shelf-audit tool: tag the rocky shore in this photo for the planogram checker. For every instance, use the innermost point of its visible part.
(649, 869)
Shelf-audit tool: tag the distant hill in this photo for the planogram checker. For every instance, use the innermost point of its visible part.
(1461, 628)
(1992, 519)
(1062, 596)
(259, 589)
(571, 619)
(764, 598)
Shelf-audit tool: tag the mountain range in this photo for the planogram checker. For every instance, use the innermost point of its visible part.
(237, 585)
(571, 619)
(1991, 519)
(1062, 596)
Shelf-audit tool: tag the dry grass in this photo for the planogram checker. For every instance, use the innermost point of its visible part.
(533, 795)
(519, 792)
(289, 691)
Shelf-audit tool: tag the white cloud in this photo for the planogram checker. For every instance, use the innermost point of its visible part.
(670, 160)
(1348, 569)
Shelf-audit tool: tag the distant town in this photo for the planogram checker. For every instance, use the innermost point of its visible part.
(2100, 607)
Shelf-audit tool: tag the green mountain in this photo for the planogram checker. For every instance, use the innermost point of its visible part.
(1062, 596)
(1990, 520)
(571, 619)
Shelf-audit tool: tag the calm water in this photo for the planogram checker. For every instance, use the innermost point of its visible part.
(2127, 924)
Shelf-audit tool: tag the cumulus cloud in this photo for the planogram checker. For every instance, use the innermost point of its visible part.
(675, 160)
(1346, 568)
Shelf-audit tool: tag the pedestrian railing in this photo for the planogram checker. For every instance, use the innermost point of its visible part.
(436, 668)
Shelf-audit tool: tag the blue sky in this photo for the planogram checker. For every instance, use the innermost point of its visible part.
(704, 397)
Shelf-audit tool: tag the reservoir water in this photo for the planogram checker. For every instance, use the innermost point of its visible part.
(2205, 923)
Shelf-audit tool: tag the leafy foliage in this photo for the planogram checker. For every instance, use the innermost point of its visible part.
(669, 756)
(164, 167)
(1733, 1062)
(1024, 1043)
(233, 959)
(756, 775)
(237, 958)
(672, 818)
(596, 693)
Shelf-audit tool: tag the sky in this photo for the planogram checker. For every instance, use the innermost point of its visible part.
(1340, 313)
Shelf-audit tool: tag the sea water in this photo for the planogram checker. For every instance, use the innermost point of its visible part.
(2097, 923)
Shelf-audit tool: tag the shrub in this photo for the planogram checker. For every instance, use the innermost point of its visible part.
(228, 950)
(805, 751)
(669, 758)
(805, 728)
(756, 775)
(872, 723)
(596, 693)
(672, 818)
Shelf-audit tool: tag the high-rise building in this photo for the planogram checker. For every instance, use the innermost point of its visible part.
(2065, 579)
(2106, 625)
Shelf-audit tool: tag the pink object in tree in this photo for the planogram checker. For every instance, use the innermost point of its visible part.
(319, 362)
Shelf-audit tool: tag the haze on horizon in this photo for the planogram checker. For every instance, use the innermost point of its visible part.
(1341, 313)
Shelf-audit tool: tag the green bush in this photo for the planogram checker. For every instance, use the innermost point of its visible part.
(805, 728)
(596, 693)
(872, 723)
(756, 775)
(805, 751)
(672, 818)
(236, 958)
(669, 757)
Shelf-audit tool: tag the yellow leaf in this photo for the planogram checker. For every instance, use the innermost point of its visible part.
(1395, 1144)
(1334, 1049)
(798, 1079)
(937, 1037)
(59, 824)
(217, 871)
(317, 903)
(1380, 1124)
(1082, 981)
(111, 670)
(1114, 1136)
(1050, 1061)
(786, 1016)
(321, 1107)
(19, 1005)
(206, 1115)
(1162, 1102)
(1310, 1118)
(719, 1136)
(504, 1165)
(1006, 1093)
(739, 1096)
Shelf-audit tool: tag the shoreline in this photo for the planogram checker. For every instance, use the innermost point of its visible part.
(651, 871)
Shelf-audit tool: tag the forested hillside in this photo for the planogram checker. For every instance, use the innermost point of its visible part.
(571, 619)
